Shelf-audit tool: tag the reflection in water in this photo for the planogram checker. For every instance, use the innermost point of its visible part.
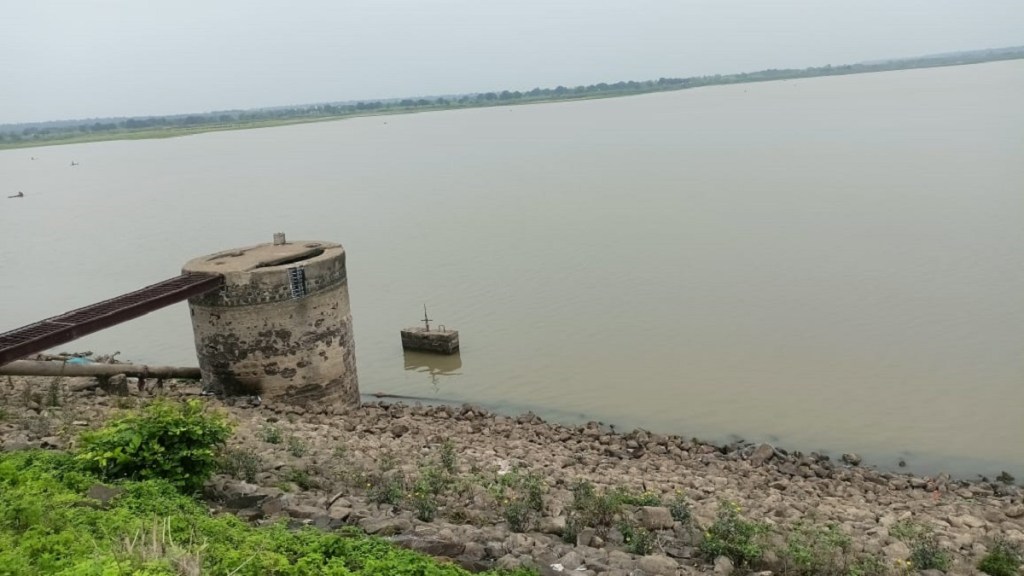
(437, 366)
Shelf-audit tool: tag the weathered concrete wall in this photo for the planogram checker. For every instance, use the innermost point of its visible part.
(446, 342)
(255, 337)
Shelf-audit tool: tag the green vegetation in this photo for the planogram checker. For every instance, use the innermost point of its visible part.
(520, 498)
(74, 131)
(241, 463)
(47, 526)
(589, 509)
(638, 539)
(148, 524)
(817, 551)
(448, 458)
(925, 552)
(272, 434)
(1003, 559)
(174, 442)
(680, 508)
(731, 535)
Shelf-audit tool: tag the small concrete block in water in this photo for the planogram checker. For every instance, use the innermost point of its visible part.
(440, 341)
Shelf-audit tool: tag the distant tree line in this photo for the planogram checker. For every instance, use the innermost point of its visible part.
(12, 135)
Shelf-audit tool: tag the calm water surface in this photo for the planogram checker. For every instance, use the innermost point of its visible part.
(832, 263)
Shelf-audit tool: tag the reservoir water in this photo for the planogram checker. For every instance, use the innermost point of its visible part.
(829, 264)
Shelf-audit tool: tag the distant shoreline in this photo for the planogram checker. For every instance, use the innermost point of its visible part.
(36, 134)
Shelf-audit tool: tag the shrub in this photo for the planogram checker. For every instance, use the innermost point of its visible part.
(590, 508)
(302, 479)
(296, 447)
(385, 488)
(631, 498)
(680, 508)
(925, 552)
(173, 441)
(241, 463)
(151, 529)
(520, 498)
(733, 536)
(869, 565)
(272, 434)
(1004, 559)
(448, 458)
(813, 550)
(638, 539)
(430, 484)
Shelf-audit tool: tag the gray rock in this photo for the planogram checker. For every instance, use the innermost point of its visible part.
(851, 459)
(586, 537)
(250, 514)
(399, 430)
(659, 564)
(385, 526)
(303, 511)
(656, 518)
(549, 525)
(339, 514)
(572, 560)
(897, 551)
(103, 494)
(723, 566)
(473, 551)
(1015, 511)
(246, 501)
(790, 469)
(51, 442)
(272, 506)
(431, 546)
(117, 384)
(762, 454)
(508, 562)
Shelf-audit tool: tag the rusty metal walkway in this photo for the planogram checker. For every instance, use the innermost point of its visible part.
(61, 329)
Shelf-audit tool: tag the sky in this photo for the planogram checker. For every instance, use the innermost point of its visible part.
(76, 59)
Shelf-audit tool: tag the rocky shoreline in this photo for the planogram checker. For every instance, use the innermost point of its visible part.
(486, 490)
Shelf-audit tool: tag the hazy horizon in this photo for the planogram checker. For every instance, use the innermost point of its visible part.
(64, 59)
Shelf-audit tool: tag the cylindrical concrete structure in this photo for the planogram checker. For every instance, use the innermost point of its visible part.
(281, 325)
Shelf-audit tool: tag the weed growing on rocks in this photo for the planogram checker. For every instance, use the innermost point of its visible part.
(173, 441)
(296, 447)
(271, 434)
(638, 539)
(632, 498)
(1003, 559)
(590, 509)
(680, 508)
(869, 565)
(817, 551)
(241, 463)
(426, 491)
(384, 488)
(448, 459)
(520, 498)
(53, 392)
(733, 536)
(302, 478)
(925, 552)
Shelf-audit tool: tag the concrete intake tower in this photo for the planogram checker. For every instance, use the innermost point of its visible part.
(281, 326)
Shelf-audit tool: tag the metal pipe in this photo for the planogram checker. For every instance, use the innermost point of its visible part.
(35, 368)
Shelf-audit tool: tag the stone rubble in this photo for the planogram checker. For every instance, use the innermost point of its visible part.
(313, 475)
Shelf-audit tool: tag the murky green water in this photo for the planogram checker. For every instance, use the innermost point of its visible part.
(832, 263)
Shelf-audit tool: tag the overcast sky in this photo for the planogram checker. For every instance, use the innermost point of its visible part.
(62, 59)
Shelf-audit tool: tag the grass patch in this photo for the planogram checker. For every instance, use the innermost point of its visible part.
(47, 526)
